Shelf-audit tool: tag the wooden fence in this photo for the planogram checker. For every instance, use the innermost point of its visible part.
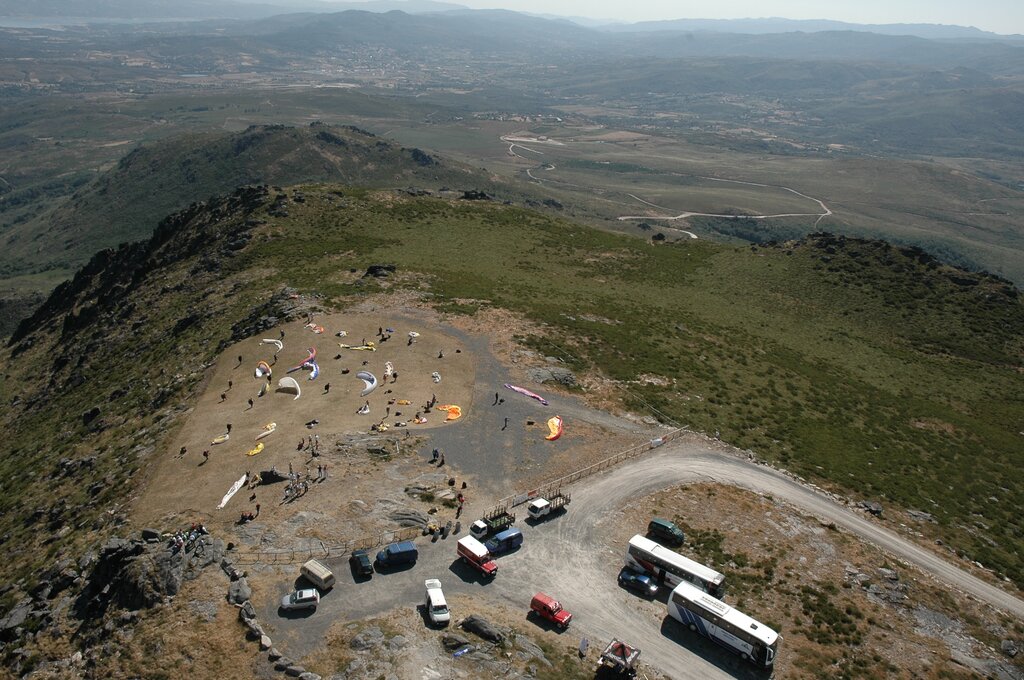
(322, 551)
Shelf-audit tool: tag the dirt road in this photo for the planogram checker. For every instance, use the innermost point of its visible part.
(572, 557)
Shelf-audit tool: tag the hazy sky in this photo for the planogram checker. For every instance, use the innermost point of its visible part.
(1001, 16)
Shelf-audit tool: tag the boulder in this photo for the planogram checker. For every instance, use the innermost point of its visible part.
(294, 671)
(255, 629)
(452, 641)
(380, 271)
(481, 627)
(309, 675)
(1010, 648)
(273, 654)
(530, 649)
(239, 592)
(247, 612)
(265, 643)
(873, 507)
(14, 619)
(368, 639)
(888, 574)
(409, 517)
(920, 516)
(151, 535)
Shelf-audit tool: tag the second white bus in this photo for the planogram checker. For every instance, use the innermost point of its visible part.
(670, 568)
(730, 628)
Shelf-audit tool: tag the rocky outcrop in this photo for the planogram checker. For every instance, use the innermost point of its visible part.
(283, 306)
(137, 574)
(380, 271)
(558, 374)
(481, 627)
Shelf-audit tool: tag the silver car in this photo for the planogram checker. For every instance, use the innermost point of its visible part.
(308, 598)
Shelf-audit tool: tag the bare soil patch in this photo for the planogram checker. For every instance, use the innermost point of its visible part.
(190, 487)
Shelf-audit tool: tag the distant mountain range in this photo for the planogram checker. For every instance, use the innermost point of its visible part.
(201, 9)
(240, 9)
(781, 25)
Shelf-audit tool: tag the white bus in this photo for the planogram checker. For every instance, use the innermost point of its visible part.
(670, 568)
(701, 613)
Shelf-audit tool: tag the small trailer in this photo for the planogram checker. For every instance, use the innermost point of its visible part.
(620, 657)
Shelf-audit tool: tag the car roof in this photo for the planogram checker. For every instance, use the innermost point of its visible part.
(507, 532)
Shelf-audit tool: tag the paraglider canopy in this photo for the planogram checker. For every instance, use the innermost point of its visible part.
(369, 379)
(290, 386)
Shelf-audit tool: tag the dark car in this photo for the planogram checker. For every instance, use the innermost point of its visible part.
(664, 531)
(638, 582)
(360, 563)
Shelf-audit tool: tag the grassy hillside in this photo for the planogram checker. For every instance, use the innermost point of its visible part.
(125, 203)
(872, 369)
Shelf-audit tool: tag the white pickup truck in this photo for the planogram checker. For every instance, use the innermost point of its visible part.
(544, 507)
(437, 606)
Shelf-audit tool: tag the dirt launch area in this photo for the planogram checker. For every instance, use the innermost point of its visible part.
(192, 485)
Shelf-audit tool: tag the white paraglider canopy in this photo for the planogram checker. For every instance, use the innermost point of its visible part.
(289, 385)
(369, 379)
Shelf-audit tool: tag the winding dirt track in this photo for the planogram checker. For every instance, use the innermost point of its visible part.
(568, 555)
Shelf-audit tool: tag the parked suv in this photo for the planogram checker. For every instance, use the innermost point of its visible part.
(665, 531)
(307, 598)
(360, 563)
(550, 609)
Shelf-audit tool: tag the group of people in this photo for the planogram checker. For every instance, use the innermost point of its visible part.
(184, 538)
(311, 444)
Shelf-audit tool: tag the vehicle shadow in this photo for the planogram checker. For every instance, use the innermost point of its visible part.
(550, 517)
(392, 568)
(301, 583)
(468, 573)
(359, 578)
(721, 658)
(539, 621)
(295, 613)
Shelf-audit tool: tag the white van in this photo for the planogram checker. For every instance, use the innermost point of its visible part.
(437, 606)
(318, 574)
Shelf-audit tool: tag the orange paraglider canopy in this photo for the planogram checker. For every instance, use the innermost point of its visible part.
(555, 427)
(454, 412)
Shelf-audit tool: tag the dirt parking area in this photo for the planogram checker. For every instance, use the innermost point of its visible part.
(839, 603)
